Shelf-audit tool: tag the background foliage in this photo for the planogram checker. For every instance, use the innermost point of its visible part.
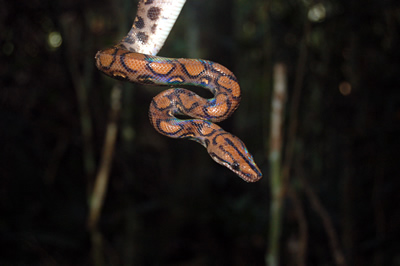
(167, 201)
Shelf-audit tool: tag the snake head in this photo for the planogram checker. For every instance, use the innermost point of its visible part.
(228, 150)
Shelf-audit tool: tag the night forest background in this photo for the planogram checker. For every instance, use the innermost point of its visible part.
(330, 190)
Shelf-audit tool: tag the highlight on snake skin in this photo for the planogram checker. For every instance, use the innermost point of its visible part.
(223, 147)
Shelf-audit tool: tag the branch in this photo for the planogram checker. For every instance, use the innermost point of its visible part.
(278, 106)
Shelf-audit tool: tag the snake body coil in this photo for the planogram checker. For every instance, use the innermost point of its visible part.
(225, 148)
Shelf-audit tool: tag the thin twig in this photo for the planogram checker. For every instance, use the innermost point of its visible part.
(294, 107)
(303, 227)
(291, 139)
(81, 83)
(327, 222)
(102, 177)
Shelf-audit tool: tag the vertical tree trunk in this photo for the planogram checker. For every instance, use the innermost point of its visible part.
(275, 154)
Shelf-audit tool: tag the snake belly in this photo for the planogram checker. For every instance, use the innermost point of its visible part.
(225, 148)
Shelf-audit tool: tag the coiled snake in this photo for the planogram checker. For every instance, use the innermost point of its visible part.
(134, 60)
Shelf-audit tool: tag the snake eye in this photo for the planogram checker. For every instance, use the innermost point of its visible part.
(235, 166)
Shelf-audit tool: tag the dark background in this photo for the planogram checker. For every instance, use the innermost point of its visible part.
(167, 201)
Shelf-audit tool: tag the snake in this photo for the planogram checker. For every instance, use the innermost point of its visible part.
(178, 112)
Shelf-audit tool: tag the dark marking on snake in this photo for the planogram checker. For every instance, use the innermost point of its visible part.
(139, 23)
(142, 37)
(153, 13)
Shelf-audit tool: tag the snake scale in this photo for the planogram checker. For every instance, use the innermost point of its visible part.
(134, 59)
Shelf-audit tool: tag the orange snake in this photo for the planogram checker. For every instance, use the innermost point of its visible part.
(121, 62)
